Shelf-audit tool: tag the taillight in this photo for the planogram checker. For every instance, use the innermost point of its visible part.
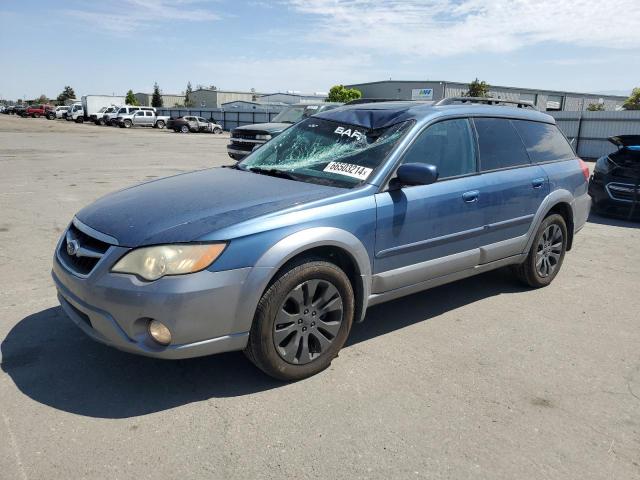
(585, 169)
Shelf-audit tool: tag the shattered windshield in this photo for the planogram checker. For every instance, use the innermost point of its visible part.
(326, 152)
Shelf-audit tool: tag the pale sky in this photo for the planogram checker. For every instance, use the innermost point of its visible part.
(106, 47)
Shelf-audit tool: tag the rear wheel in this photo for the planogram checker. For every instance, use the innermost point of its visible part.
(546, 253)
(217, 130)
(184, 129)
(302, 321)
(160, 124)
(127, 124)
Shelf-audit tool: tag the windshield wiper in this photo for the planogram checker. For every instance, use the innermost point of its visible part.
(273, 172)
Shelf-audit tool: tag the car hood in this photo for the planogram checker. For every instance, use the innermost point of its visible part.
(626, 140)
(186, 207)
(265, 127)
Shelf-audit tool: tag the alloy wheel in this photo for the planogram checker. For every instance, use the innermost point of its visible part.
(308, 321)
(549, 250)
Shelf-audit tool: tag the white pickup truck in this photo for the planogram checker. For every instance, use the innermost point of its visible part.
(142, 118)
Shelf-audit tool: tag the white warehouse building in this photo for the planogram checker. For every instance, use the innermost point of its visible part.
(550, 100)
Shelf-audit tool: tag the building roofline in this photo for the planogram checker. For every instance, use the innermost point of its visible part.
(162, 94)
(292, 94)
(225, 91)
(491, 86)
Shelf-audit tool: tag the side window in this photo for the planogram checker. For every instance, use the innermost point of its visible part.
(449, 145)
(544, 141)
(500, 145)
(149, 114)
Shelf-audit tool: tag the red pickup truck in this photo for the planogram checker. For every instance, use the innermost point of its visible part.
(35, 111)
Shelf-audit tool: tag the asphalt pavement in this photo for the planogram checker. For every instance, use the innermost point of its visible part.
(482, 378)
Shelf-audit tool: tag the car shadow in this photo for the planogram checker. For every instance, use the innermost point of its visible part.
(51, 361)
(613, 221)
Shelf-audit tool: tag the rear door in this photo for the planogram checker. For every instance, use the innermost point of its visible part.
(514, 187)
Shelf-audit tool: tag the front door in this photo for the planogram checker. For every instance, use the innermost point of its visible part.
(427, 231)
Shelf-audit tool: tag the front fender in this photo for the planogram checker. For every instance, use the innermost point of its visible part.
(289, 247)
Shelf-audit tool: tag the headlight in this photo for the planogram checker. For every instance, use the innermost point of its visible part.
(603, 165)
(263, 137)
(151, 263)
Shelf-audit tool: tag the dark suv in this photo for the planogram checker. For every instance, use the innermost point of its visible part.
(615, 183)
(245, 139)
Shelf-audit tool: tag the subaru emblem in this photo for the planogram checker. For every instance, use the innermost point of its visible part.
(72, 247)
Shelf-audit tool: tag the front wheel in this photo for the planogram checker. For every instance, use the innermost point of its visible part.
(127, 124)
(184, 129)
(217, 130)
(546, 253)
(302, 321)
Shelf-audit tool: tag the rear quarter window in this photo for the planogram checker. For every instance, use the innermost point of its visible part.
(543, 141)
(500, 145)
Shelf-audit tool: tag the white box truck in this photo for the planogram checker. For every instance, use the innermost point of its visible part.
(91, 104)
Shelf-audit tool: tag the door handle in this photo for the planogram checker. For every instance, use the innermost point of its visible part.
(537, 182)
(470, 197)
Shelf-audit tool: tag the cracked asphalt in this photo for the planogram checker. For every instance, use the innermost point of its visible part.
(477, 379)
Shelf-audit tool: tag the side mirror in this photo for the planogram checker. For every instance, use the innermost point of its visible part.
(411, 174)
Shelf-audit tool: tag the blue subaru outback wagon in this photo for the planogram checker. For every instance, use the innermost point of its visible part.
(280, 254)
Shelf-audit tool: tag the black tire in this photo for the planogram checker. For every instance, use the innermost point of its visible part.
(160, 124)
(79, 120)
(217, 130)
(311, 341)
(547, 249)
(185, 129)
(127, 123)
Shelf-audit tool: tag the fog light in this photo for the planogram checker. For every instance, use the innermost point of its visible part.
(159, 332)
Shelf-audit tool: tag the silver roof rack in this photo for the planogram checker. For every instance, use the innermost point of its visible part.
(486, 101)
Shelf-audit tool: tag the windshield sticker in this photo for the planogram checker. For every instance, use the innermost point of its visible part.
(349, 170)
(348, 132)
(312, 107)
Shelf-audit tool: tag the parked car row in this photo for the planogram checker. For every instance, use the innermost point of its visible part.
(93, 108)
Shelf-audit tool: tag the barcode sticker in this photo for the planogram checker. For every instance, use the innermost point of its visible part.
(349, 170)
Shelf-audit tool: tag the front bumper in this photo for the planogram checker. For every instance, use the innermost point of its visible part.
(605, 202)
(200, 309)
(237, 154)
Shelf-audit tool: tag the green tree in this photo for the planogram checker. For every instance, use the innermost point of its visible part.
(633, 102)
(156, 98)
(339, 93)
(478, 88)
(66, 94)
(131, 99)
(41, 99)
(595, 107)
(188, 101)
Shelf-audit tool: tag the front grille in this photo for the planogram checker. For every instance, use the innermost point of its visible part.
(244, 134)
(623, 191)
(89, 251)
